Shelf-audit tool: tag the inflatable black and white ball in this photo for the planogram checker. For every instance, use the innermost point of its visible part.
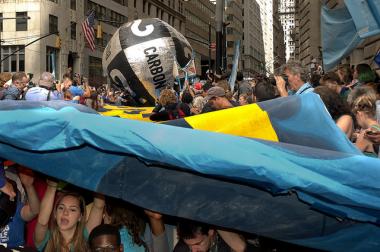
(141, 55)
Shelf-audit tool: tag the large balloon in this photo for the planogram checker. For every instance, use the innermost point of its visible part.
(141, 57)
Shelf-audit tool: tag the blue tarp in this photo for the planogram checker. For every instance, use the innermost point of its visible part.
(284, 191)
(344, 28)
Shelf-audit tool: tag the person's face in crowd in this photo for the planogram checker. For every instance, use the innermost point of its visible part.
(293, 79)
(105, 243)
(361, 119)
(67, 83)
(243, 100)
(201, 242)
(220, 103)
(355, 74)
(21, 84)
(216, 103)
(68, 213)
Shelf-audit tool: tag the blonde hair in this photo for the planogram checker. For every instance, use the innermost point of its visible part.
(167, 97)
(78, 242)
(365, 103)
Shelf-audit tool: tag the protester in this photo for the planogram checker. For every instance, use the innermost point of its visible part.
(216, 97)
(345, 75)
(47, 89)
(297, 76)
(4, 77)
(364, 109)
(105, 237)
(363, 74)
(169, 108)
(200, 237)
(199, 98)
(264, 91)
(13, 233)
(5, 186)
(338, 109)
(242, 86)
(16, 90)
(69, 230)
(244, 99)
(332, 81)
(135, 234)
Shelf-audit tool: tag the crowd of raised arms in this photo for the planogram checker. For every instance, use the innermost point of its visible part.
(41, 214)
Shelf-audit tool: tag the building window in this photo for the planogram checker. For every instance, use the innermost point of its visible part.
(1, 22)
(73, 30)
(134, 3)
(95, 71)
(16, 62)
(53, 24)
(73, 4)
(54, 1)
(21, 21)
(52, 59)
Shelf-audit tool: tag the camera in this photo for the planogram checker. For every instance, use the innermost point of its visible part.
(272, 80)
(30, 84)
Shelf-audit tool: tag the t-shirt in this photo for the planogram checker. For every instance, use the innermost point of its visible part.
(76, 91)
(42, 94)
(46, 239)
(127, 241)
(13, 233)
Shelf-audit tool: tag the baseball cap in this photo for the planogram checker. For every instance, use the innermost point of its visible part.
(215, 92)
(198, 86)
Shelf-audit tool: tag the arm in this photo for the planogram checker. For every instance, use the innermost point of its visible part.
(362, 143)
(96, 214)
(44, 215)
(281, 86)
(156, 223)
(236, 243)
(32, 208)
(5, 186)
(160, 240)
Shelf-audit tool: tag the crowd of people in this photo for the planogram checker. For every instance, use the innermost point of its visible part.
(40, 214)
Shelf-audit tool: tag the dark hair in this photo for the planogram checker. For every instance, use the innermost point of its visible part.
(189, 229)
(186, 97)
(128, 216)
(206, 86)
(346, 73)
(104, 229)
(18, 76)
(314, 79)
(239, 76)
(264, 91)
(333, 102)
(7, 206)
(332, 77)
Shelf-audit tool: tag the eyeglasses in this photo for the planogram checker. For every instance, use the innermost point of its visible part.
(109, 248)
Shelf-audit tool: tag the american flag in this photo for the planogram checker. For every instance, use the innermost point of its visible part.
(88, 30)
